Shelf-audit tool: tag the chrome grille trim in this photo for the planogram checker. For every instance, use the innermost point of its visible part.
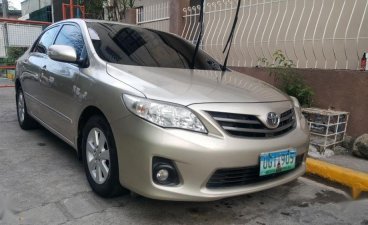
(258, 130)
(242, 125)
(286, 117)
(236, 120)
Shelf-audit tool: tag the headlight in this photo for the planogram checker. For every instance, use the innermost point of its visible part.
(164, 114)
(296, 104)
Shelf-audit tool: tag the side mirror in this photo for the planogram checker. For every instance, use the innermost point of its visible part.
(62, 53)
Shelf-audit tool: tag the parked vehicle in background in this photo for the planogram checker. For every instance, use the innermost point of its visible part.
(126, 99)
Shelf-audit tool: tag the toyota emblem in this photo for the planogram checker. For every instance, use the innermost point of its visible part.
(273, 120)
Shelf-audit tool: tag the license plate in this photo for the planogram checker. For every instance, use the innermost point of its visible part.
(276, 162)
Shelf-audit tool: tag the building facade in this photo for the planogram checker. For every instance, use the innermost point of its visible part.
(13, 13)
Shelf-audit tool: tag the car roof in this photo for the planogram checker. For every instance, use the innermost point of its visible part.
(92, 21)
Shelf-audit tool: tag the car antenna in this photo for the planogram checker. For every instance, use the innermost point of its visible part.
(199, 36)
(231, 36)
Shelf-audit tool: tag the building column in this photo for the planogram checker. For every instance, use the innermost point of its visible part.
(130, 16)
(176, 15)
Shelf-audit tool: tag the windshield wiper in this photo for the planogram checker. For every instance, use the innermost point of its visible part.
(200, 35)
(231, 36)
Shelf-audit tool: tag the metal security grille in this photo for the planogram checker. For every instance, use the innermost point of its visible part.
(325, 34)
(155, 15)
(250, 126)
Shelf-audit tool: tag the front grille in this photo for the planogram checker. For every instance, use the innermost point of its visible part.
(242, 125)
(243, 176)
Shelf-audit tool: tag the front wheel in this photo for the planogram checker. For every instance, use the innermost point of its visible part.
(100, 157)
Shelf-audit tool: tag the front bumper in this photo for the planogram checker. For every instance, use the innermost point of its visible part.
(196, 156)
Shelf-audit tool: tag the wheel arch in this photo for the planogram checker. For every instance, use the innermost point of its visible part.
(87, 113)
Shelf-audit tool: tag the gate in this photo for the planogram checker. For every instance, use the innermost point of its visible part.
(325, 34)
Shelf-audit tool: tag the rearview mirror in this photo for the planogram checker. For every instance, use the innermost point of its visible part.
(62, 53)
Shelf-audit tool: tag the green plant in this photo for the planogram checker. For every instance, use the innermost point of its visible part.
(95, 10)
(13, 53)
(116, 9)
(131, 3)
(287, 78)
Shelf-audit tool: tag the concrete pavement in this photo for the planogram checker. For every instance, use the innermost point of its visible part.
(42, 182)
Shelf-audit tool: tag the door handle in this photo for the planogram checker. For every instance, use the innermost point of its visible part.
(51, 80)
(42, 74)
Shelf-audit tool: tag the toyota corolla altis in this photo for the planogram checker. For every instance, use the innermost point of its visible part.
(143, 116)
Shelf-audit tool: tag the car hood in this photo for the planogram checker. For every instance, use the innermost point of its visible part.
(186, 87)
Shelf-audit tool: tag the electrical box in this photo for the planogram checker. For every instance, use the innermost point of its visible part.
(327, 127)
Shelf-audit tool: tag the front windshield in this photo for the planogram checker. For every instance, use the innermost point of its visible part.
(130, 45)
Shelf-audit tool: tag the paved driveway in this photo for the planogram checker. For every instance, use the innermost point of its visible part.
(42, 182)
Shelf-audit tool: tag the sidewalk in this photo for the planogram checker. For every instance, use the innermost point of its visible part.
(344, 169)
(349, 161)
(5, 82)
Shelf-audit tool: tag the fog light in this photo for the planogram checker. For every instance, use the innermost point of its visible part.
(162, 175)
(164, 172)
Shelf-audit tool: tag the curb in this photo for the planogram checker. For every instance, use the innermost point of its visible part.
(357, 181)
(6, 86)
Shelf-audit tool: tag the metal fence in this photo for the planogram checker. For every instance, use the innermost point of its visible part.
(326, 34)
(155, 15)
(17, 33)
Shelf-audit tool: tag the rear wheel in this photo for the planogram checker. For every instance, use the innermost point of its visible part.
(100, 157)
(26, 122)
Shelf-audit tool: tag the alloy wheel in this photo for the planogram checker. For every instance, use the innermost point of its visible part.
(98, 155)
(21, 110)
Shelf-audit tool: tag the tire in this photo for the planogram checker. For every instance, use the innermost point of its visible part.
(26, 122)
(100, 159)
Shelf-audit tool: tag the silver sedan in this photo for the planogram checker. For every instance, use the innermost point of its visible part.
(143, 116)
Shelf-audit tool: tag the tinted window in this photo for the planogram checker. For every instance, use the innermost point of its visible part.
(70, 35)
(46, 40)
(129, 45)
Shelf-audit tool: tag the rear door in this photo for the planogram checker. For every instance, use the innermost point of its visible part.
(33, 73)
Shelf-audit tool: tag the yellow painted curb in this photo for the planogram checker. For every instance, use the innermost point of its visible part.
(357, 181)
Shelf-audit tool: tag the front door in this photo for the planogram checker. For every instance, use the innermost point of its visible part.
(60, 79)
